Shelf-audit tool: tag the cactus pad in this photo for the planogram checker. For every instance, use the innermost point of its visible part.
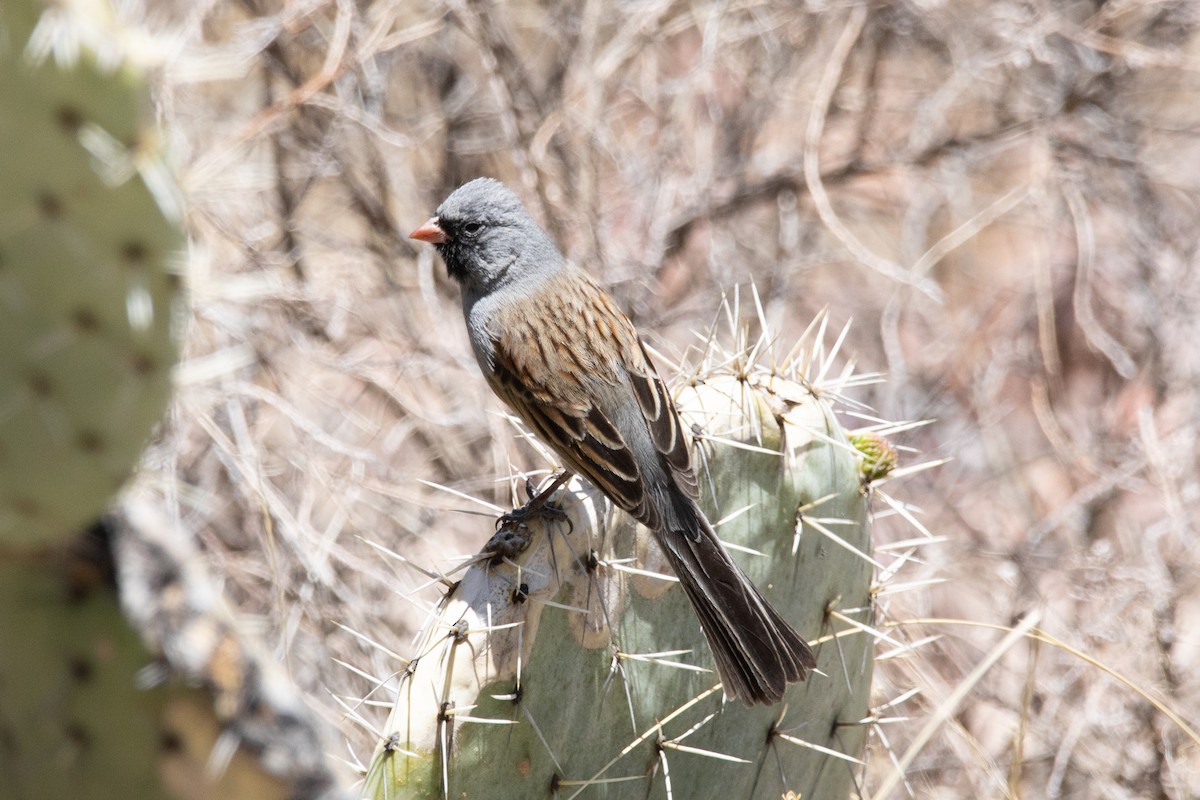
(567, 663)
(85, 296)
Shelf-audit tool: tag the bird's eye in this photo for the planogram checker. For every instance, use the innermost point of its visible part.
(472, 229)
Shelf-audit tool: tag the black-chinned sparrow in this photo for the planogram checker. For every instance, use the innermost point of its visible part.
(555, 347)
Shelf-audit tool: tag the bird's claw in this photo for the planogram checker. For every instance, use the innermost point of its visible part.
(538, 505)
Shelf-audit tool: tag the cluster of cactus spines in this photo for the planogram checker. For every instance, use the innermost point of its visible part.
(565, 663)
(85, 291)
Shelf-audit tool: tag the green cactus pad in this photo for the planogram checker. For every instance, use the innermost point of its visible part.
(73, 721)
(85, 294)
(566, 665)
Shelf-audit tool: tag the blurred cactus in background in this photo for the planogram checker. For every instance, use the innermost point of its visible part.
(87, 346)
(74, 721)
(88, 228)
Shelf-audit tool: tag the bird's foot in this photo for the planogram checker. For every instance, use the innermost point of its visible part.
(539, 505)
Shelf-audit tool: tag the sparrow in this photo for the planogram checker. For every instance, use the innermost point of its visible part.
(555, 347)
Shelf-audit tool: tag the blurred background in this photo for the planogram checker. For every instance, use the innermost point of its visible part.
(999, 198)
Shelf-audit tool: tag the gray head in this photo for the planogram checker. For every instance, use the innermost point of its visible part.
(487, 238)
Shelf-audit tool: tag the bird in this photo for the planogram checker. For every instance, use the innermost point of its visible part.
(556, 348)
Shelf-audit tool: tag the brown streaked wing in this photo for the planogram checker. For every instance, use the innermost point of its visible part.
(665, 427)
(580, 433)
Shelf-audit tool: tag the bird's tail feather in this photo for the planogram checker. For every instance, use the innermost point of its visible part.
(757, 652)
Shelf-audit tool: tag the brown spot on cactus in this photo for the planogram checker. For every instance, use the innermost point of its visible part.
(90, 442)
(40, 384)
(81, 669)
(70, 119)
(134, 254)
(49, 205)
(84, 320)
(142, 364)
(25, 506)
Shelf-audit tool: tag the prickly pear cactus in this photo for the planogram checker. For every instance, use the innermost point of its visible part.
(85, 357)
(85, 294)
(567, 663)
(66, 684)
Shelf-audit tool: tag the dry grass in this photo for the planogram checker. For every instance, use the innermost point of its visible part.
(1001, 194)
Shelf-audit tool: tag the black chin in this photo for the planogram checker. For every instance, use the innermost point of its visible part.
(456, 260)
(456, 271)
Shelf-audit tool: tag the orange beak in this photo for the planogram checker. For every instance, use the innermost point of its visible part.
(429, 232)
